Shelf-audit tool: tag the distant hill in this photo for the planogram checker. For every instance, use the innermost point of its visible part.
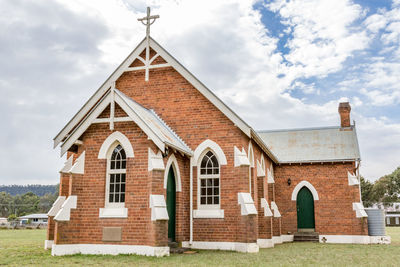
(37, 189)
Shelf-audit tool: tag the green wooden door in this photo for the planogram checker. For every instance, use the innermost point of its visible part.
(305, 209)
(171, 204)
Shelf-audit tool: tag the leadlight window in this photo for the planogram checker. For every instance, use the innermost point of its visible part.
(209, 180)
(117, 176)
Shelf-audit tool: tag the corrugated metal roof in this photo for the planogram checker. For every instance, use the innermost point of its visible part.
(156, 124)
(313, 144)
(33, 216)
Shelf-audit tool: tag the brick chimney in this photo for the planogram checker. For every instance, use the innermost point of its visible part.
(344, 111)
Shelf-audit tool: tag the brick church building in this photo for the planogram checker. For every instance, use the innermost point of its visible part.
(155, 157)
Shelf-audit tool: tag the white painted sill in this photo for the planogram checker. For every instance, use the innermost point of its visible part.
(208, 214)
(113, 213)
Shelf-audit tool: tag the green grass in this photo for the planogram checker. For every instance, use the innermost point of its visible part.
(25, 248)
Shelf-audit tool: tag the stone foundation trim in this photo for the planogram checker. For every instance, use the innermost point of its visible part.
(265, 243)
(346, 239)
(241, 158)
(113, 213)
(158, 208)
(287, 238)
(359, 209)
(246, 203)
(65, 212)
(353, 179)
(56, 206)
(208, 214)
(277, 240)
(383, 240)
(233, 246)
(265, 206)
(103, 249)
(48, 244)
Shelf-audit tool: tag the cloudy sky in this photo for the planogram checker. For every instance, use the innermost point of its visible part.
(278, 64)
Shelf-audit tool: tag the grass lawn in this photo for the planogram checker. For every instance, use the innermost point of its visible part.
(25, 248)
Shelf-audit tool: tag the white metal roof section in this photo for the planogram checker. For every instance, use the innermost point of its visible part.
(313, 144)
(156, 124)
(34, 216)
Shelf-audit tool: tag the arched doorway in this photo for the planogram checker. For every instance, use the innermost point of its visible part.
(305, 209)
(171, 203)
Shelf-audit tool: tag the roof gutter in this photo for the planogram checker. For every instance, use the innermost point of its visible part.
(319, 161)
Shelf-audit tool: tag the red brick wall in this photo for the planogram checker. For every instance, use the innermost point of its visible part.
(264, 223)
(276, 226)
(85, 226)
(333, 211)
(195, 119)
(64, 184)
(50, 229)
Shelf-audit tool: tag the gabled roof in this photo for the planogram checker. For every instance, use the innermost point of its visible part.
(100, 93)
(156, 124)
(328, 144)
(154, 127)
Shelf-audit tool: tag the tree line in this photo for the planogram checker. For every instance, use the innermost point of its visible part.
(37, 189)
(23, 204)
(385, 190)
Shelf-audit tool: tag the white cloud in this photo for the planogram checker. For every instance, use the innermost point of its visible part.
(380, 150)
(323, 34)
(375, 22)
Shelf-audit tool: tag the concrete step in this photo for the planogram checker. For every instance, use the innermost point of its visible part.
(178, 250)
(306, 237)
(174, 248)
(173, 244)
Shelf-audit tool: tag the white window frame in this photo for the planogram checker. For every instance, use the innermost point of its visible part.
(109, 172)
(397, 220)
(387, 220)
(208, 176)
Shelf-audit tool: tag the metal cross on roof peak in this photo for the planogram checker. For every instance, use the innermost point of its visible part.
(147, 21)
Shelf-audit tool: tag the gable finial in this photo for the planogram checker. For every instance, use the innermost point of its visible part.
(148, 21)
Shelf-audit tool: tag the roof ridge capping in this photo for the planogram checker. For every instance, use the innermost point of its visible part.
(305, 129)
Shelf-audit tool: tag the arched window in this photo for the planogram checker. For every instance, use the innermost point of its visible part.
(116, 177)
(209, 180)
